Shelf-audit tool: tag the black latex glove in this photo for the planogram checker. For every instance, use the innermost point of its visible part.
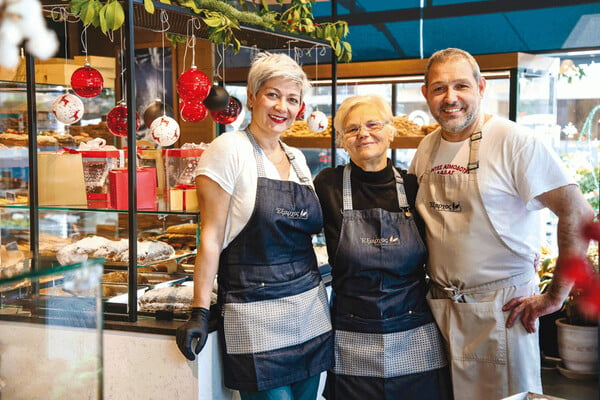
(195, 328)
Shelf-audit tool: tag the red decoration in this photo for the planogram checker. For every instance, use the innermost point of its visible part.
(116, 120)
(192, 111)
(577, 269)
(229, 114)
(591, 231)
(300, 115)
(87, 81)
(193, 84)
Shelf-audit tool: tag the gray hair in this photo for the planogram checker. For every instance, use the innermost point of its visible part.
(385, 112)
(441, 56)
(267, 66)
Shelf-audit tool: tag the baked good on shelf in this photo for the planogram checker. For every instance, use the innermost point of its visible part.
(179, 241)
(121, 277)
(13, 139)
(113, 250)
(172, 298)
(404, 126)
(185, 229)
(80, 250)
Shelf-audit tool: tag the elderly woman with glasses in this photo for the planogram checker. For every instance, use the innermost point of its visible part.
(387, 345)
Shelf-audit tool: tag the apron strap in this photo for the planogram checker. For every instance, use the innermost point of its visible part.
(474, 152)
(474, 141)
(292, 159)
(456, 294)
(347, 189)
(260, 165)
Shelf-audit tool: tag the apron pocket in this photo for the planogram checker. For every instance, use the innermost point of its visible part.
(473, 331)
(275, 323)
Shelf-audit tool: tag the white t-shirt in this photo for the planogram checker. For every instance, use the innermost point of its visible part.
(229, 161)
(515, 167)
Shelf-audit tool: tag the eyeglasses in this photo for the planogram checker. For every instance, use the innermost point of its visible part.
(371, 127)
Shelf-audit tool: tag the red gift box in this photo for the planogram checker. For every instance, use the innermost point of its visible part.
(145, 188)
(97, 165)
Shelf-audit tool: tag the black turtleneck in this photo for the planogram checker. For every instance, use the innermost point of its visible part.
(369, 190)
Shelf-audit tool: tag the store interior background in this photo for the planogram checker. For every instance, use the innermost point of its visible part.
(567, 34)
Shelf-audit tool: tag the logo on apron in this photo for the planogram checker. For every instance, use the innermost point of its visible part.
(292, 214)
(391, 241)
(453, 207)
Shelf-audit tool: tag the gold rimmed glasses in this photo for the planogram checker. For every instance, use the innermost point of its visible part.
(370, 126)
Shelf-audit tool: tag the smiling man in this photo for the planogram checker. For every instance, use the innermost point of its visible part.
(482, 180)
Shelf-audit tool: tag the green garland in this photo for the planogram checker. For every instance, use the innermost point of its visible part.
(223, 20)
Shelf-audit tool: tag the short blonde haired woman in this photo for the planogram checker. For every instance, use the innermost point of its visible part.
(258, 210)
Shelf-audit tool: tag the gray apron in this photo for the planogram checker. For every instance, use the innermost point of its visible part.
(467, 263)
(274, 325)
(387, 345)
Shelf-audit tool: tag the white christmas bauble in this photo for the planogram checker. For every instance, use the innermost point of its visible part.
(317, 121)
(164, 131)
(67, 108)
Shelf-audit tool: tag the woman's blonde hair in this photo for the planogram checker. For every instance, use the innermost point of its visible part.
(267, 66)
(348, 105)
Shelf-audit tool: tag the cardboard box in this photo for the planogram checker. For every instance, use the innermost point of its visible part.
(60, 179)
(97, 61)
(55, 74)
(183, 198)
(145, 188)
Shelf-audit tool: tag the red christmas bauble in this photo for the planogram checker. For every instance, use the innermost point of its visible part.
(116, 120)
(68, 109)
(193, 84)
(229, 114)
(164, 131)
(87, 82)
(192, 111)
(300, 115)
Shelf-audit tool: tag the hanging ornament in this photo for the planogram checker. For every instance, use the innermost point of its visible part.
(317, 121)
(164, 131)
(300, 115)
(192, 111)
(217, 99)
(68, 109)
(229, 114)
(154, 110)
(193, 84)
(116, 120)
(87, 82)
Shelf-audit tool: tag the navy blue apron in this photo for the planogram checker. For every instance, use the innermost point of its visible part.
(275, 327)
(387, 345)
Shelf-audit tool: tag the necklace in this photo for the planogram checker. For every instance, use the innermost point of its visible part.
(282, 157)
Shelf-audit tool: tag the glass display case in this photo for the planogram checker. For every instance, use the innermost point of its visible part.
(51, 330)
(166, 248)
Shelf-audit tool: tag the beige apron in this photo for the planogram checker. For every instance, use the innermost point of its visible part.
(467, 263)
